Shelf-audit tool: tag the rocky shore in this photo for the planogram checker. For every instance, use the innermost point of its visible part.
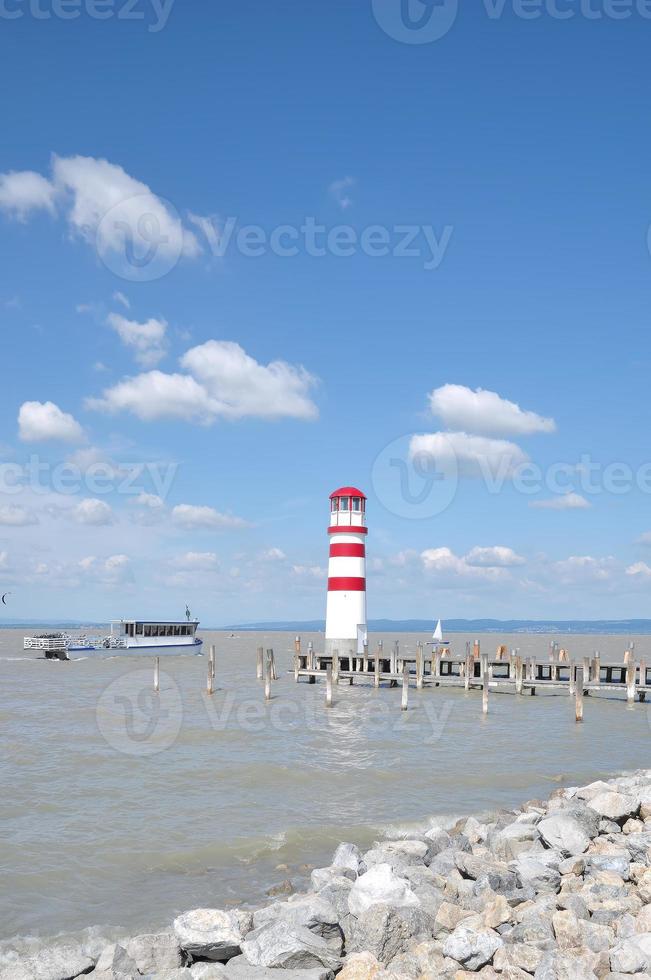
(556, 889)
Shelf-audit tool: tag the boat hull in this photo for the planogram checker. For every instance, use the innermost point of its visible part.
(155, 650)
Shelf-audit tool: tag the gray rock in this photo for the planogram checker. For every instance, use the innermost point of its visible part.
(322, 877)
(380, 886)
(155, 953)
(615, 806)
(282, 945)
(115, 964)
(311, 912)
(533, 872)
(565, 966)
(398, 854)
(212, 934)
(239, 968)
(348, 856)
(205, 971)
(386, 931)
(638, 845)
(617, 861)
(518, 955)
(632, 955)
(336, 894)
(565, 834)
(535, 930)
(56, 963)
(513, 840)
(472, 947)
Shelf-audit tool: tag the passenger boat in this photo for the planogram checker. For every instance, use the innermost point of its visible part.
(128, 637)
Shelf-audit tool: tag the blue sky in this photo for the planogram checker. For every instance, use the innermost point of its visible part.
(514, 154)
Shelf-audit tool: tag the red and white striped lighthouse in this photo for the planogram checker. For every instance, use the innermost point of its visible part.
(346, 607)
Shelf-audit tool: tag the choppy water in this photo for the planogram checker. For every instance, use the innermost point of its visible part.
(119, 809)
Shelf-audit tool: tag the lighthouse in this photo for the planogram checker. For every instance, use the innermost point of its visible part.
(346, 606)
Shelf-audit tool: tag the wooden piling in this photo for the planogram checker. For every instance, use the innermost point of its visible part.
(376, 673)
(476, 650)
(419, 667)
(328, 696)
(335, 666)
(519, 675)
(267, 678)
(157, 675)
(259, 669)
(485, 682)
(578, 697)
(437, 664)
(405, 686)
(210, 683)
(572, 684)
(642, 679)
(596, 668)
(470, 668)
(631, 670)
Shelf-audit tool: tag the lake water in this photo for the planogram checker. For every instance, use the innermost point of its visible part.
(120, 809)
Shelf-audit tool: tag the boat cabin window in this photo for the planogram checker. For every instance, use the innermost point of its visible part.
(139, 629)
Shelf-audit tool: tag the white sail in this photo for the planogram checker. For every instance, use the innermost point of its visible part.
(438, 633)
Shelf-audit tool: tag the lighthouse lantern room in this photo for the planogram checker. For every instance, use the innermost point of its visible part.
(346, 606)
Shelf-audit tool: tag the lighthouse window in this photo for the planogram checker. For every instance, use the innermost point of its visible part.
(335, 504)
(357, 503)
(343, 505)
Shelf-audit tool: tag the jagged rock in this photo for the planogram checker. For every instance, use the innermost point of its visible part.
(398, 854)
(565, 966)
(534, 930)
(632, 955)
(638, 845)
(424, 959)
(205, 971)
(115, 964)
(380, 886)
(572, 866)
(616, 860)
(496, 912)
(518, 955)
(212, 934)
(311, 912)
(362, 966)
(283, 888)
(472, 947)
(322, 877)
(614, 806)
(575, 904)
(564, 833)
(540, 876)
(643, 920)
(514, 840)
(449, 916)
(385, 930)
(155, 953)
(56, 963)
(283, 945)
(348, 856)
(336, 894)
(239, 968)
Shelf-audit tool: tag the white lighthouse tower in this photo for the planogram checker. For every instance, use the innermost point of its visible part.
(346, 607)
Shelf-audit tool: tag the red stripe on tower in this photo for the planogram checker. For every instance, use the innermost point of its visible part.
(351, 584)
(347, 551)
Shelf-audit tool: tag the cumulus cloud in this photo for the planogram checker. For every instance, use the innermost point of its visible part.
(223, 381)
(91, 511)
(273, 554)
(15, 516)
(639, 570)
(112, 571)
(564, 501)
(485, 413)
(583, 568)
(192, 517)
(459, 453)
(309, 571)
(22, 192)
(339, 192)
(200, 560)
(494, 557)
(147, 339)
(450, 566)
(86, 191)
(42, 421)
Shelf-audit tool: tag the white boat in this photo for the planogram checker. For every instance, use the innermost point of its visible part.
(128, 637)
(437, 635)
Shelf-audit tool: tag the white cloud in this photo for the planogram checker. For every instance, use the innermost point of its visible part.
(192, 517)
(122, 299)
(223, 382)
(449, 565)
(200, 560)
(339, 191)
(583, 568)
(85, 190)
(494, 557)
(150, 500)
(4, 559)
(484, 413)
(309, 571)
(564, 501)
(468, 455)
(114, 570)
(273, 554)
(147, 339)
(93, 512)
(41, 421)
(22, 192)
(14, 516)
(640, 569)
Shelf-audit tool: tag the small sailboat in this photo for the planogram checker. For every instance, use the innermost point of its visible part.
(437, 635)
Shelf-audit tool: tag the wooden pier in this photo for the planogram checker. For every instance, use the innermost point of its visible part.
(504, 672)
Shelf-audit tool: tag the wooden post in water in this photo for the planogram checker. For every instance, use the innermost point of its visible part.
(328, 697)
(470, 668)
(394, 657)
(267, 678)
(630, 681)
(519, 675)
(405, 687)
(476, 650)
(365, 666)
(586, 671)
(485, 681)
(437, 665)
(259, 666)
(157, 675)
(210, 685)
(335, 666)
(578, 699)
(419, 667)
(376, 677)
(572, 684)
(642, 679)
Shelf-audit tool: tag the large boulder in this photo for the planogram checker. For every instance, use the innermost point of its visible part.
(57, 963)
(471, 946)
(398, 854)
(557, 965)
(239, 968)
(380, 886)
(386, 930)
(311, 912)
(212, 934)
(348, 856)
(540, 876)
(283, 945)
(615, 806)
(155, 953)
(115, 964)
(632, 955)
(564, 833)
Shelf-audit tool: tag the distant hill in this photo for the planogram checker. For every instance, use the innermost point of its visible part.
(599, 626)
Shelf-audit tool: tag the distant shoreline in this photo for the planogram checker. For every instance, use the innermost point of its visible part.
(577, 627)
